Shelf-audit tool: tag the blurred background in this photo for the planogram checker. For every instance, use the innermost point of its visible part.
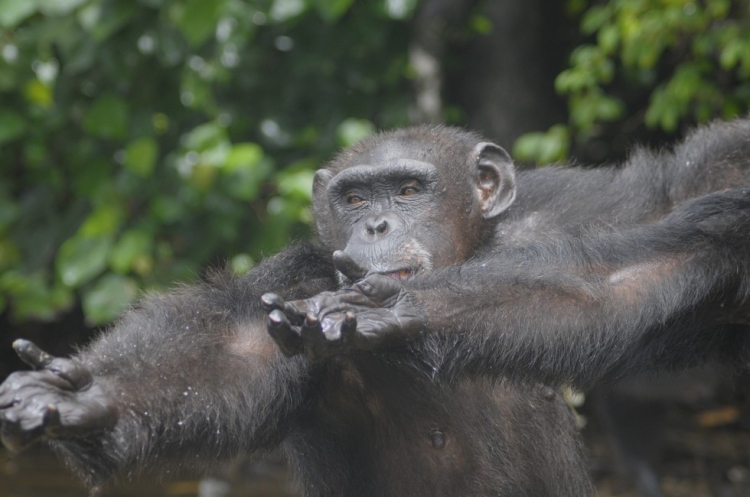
(142, 141)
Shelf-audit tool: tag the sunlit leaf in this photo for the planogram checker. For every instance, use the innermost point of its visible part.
(332, 10)
(104, 220)
(282, 10)
(140, 156)
(244, 156)
(241, 263)
(481, 24)
(296, 183)
(129, 248)
(205, 136)
(352, 130)
(82, 258)
(111, 295)
(60, 7)
(12, 12)
(38, 93)
(197, 19)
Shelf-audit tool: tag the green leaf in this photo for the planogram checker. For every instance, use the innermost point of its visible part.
(82, 258)
(197, 19)
(481, 24)
(352, 130)
(296, 183)
(332, 10)
(544, 148)
(13, 12)
(107, 118)
(38, 93)
(31, 297)
(283, 10)
(102, 19)
(132, 245)
(244, 156)
(105, 220)
(140, 156)
(60, 7)
(111, 295)
(241, 263)
(12, 126)
(205, 136)
(595, 18)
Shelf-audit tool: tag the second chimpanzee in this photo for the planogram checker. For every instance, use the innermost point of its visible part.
(590, 275)
(192, 376)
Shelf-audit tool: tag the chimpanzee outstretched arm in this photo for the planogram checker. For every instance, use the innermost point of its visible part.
(186, 377)
(575, 310)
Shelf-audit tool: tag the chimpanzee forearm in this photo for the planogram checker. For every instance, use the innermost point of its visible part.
(584, 310)
(193, 375)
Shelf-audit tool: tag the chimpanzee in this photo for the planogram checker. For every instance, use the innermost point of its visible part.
(551, 201)
(192, 376)
(590, 275)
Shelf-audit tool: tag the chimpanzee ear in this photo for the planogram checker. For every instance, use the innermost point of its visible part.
(321, 209)
(494, 179)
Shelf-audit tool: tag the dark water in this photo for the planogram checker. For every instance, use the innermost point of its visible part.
(38, 473)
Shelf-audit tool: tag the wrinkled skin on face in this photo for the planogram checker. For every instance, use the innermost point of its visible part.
(399, 210)
(394, 209)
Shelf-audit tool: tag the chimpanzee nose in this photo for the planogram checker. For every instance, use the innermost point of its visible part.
(376, 227)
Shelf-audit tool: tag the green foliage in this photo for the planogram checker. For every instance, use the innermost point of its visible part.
(142, 138)
(667, 63)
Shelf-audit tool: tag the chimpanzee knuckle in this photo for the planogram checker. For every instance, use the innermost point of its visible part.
(271, 301)
(75, 373)
(296, 309)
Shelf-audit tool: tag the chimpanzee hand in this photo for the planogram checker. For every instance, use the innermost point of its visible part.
(60, 400)
(368, 314)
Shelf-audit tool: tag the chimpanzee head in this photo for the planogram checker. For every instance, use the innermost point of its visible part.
(413, 200)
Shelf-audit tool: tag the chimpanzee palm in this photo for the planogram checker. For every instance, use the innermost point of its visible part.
(430, 213)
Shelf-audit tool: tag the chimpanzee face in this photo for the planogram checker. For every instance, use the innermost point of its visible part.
(399, 211)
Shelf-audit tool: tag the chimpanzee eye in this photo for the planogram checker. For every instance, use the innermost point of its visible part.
(353, 199)
(409, 189)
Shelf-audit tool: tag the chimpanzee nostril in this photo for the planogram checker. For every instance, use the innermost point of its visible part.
(376, 227)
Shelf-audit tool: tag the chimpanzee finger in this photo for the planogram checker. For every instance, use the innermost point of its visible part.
(271, 301)
(316, 343)
(31, 354)
(53, 427)
(349, 329)
(294, 311)
(346, 266)
(71, 370)
(378, 288)
(13, 435)
(288, 340)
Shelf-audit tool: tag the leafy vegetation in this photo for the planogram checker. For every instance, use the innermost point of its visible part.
(658, 63)
(141, 139)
